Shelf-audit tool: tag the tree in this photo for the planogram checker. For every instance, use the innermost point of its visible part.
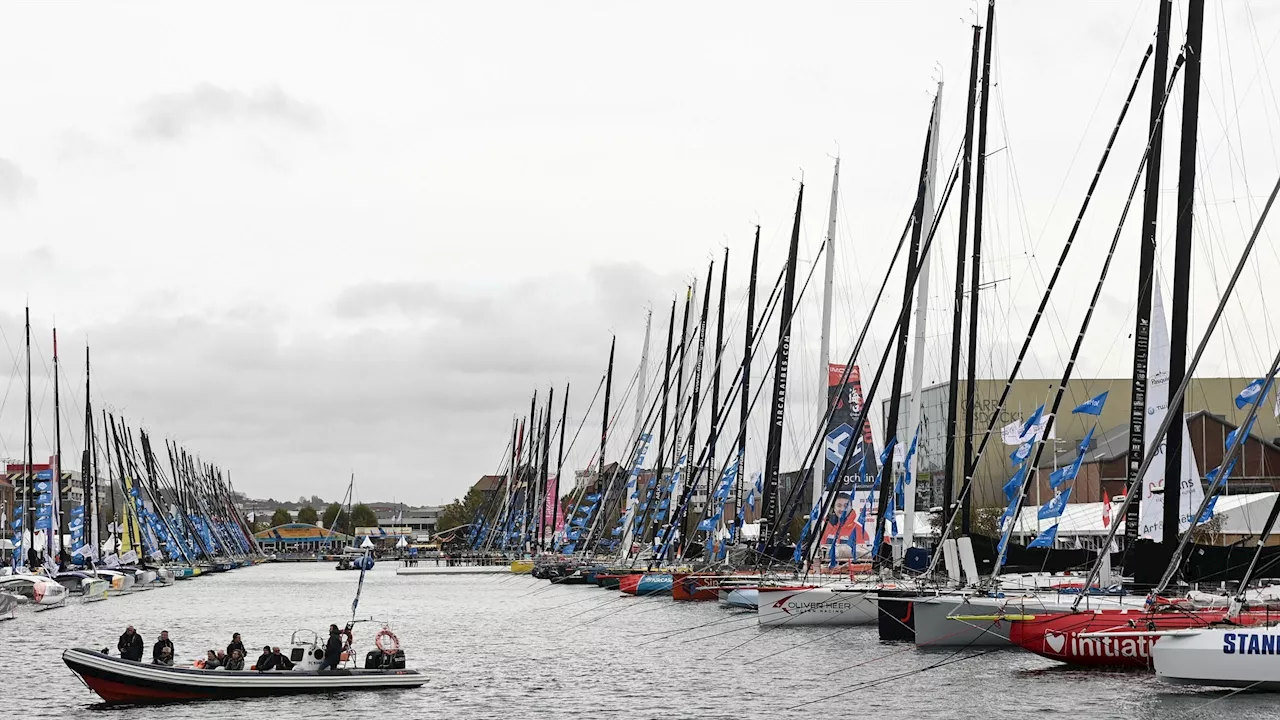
(281, 517)
(308, 515)
(461, 512)
(335, 518)
(363, 516)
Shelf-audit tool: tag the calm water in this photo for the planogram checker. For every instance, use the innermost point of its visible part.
(515, 647)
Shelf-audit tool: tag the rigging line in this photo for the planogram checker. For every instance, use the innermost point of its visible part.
(1186, 381)
(948, 660)
(970, 472)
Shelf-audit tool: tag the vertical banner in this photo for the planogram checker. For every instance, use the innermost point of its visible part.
(76, 527)
(19, 515)
(44, 511)
(549, 503)
(853, 487)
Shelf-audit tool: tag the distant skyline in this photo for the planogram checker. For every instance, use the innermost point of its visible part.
(306, 240)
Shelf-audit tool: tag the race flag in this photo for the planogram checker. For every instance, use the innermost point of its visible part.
(1014, 486)
(1021, 454)
(1045, 539)
(1106, 510)
(1092, 406)
(1207, 515)
(1253, 392)
(1234, 434)
(888, 450)
(1054, 507)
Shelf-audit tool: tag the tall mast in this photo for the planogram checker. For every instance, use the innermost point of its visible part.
(781, 363)
(677, 440)
(957, 315)
(111, 489)
(29, 458)
(1174, 449)
(656, 483)
(975, 272)
(530, 477)
(88, 468)
(745, 401)
(922, 316)
(715, 377)
(886, 480)
(555, 495)
(604, 420)
(543, 478)
(55, 529)
(695, 394)
(1146, 270)
(824, 337)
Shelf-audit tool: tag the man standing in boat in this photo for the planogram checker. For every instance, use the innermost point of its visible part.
(161, 645)
(235, 644)
(130, 645)
(332, 649)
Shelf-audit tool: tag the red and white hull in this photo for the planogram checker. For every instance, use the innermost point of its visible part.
(119, 681)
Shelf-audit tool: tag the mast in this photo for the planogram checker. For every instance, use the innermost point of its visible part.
(922, 316)
(695, 394)
(111, 490)
(773, 451)
(745, 402)
(642, 389)
(604, 416)
(1146, 268)
(975, 272)
(886, 485)
(677, 443)
(29, 458)
(88, 468)
(957, 315)
(55, 534)
(1173, 475)
(555, 496)
(715, 377)
(824, 338)
(543, 478)
(656, 484)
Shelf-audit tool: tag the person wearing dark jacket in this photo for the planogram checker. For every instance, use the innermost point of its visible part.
(236, 645)
(279, 661)
(264, 660)
(332, 649)
(235, 661)
(130, 645)
(164, 642)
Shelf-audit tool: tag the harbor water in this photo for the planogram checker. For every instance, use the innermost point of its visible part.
(515, 647)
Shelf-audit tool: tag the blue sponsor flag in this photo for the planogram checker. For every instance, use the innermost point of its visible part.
(887, 452)
(1084, 444)
(1033, 421)
(1092, 406)
(1207, 515)
(1234, 434)
(1021, 453)
(1054, 507)
(1014, 487)
(1213, 474)
(593, 497)
(1045, 539)
(1253, 392)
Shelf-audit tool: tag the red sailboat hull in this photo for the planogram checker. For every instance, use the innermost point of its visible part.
(691, 586)
(1057, 636)
(629, 584)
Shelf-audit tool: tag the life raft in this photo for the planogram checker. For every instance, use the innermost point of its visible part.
(386, 641)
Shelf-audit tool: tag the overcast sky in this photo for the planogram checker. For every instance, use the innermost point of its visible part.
(310, 239)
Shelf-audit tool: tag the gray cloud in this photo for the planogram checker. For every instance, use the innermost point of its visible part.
(14, 183)
(171, 116)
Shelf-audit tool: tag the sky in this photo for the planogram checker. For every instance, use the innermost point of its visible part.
(313, 239)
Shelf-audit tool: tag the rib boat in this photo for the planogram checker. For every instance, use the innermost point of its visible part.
(119, 682)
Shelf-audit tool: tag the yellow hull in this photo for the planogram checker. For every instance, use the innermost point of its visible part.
(522, 567)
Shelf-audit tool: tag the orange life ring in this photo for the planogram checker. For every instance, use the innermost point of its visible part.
(387, 641)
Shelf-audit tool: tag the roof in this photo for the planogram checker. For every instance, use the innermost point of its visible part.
(1113, 444)
(300, 532)
(1243, 514)
(488, 483)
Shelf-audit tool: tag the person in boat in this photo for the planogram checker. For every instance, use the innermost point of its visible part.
(235, 644)
(279, 661)
(163, 645)
(222, 658)
(235, 661)
(165, 658)
(211, 661)
(130, 645)
(332, 649)
(264, 659)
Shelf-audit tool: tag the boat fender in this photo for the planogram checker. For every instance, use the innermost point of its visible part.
(387, 641)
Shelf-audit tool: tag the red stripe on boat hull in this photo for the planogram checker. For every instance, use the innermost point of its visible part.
(118, 693)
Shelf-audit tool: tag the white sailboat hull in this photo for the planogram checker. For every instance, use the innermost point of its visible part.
(817, 606)
(1220, 657)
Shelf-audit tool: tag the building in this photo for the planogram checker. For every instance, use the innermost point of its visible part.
(1215, 397)
(301, 539)
(418, 523)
